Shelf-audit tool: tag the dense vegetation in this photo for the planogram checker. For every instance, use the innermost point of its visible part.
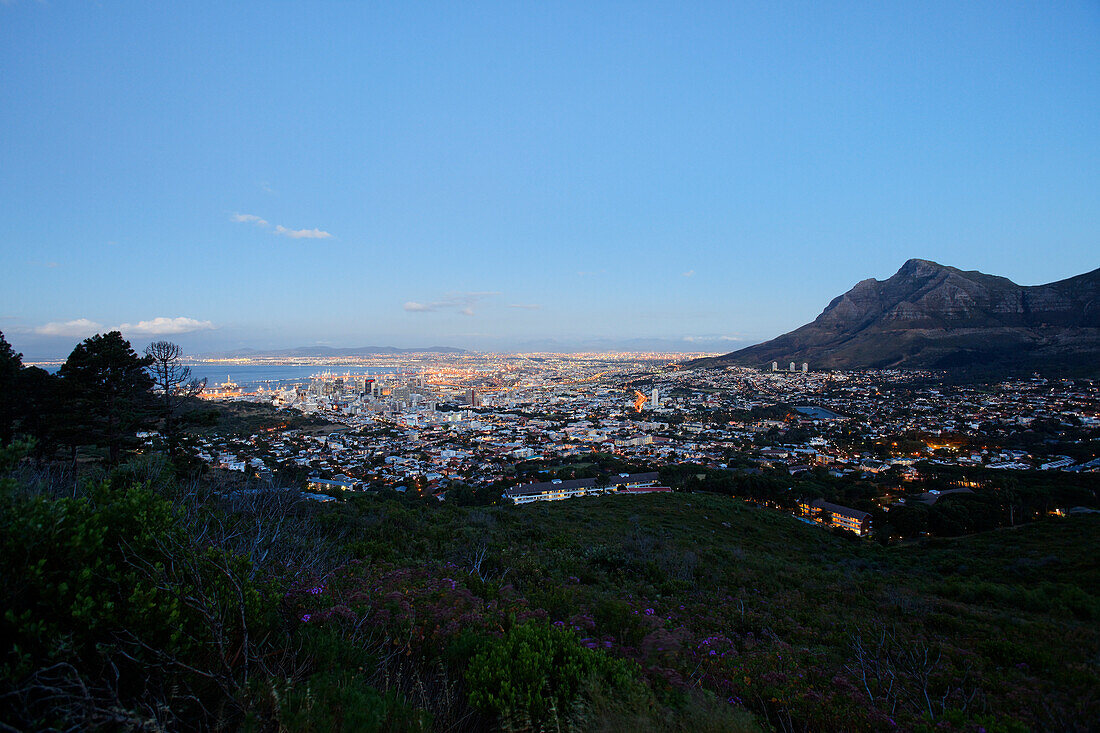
(141, 600)
(247, 418)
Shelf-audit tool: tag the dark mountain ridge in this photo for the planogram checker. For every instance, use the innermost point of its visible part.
(929, 315)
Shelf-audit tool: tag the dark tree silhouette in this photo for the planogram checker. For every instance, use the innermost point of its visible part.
(173, 383)
(109, 391)
(11, 363)
(42, 412)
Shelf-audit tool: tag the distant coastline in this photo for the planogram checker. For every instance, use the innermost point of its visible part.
(267, 375)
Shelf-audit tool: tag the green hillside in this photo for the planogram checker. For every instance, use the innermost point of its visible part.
(663, 612)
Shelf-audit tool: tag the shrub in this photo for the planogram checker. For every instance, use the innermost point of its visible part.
(620, 620)
(342, 701)
(538, 673)
(111, 589)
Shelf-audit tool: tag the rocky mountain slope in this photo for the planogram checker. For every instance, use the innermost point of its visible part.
(932, 316)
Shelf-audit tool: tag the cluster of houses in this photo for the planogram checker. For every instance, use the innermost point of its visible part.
(556, 489)
(735, 418)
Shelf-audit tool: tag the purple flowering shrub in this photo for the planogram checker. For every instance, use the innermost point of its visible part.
(423, 607)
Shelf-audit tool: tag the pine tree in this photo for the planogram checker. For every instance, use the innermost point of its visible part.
(109, 392)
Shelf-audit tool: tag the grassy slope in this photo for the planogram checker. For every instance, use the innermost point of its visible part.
(1008, 617)
(246, 418)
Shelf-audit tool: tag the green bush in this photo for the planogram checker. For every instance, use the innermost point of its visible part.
(619, 619)
(111, 587)
(537, 674)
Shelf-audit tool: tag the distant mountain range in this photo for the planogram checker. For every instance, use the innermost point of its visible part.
(929, 315)
(694, 345)
(330, 351)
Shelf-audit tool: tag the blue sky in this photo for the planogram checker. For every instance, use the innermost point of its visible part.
(510, 175)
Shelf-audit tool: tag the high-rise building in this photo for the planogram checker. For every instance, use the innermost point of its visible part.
(473, 398)
(792, 366)
(775, 366)
(654, 399)
(805, 367)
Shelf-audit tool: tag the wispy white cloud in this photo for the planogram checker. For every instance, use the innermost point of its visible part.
(79, 328)
(301, 233)
(84, 327)
(279, 229)
(700, 339)
(525, 306)
(463, 303)
(689, 273)
(249, 219)
(166, 326)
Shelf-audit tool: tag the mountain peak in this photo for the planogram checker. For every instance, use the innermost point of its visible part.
(915, 262)
(929, 315)
(921, 268)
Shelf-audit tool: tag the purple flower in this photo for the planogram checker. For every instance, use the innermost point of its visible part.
(305, 617)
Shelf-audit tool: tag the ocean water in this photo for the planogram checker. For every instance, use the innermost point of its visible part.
(272, 375)
(268, 375)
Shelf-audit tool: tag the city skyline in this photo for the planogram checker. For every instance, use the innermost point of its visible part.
(500, 178)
